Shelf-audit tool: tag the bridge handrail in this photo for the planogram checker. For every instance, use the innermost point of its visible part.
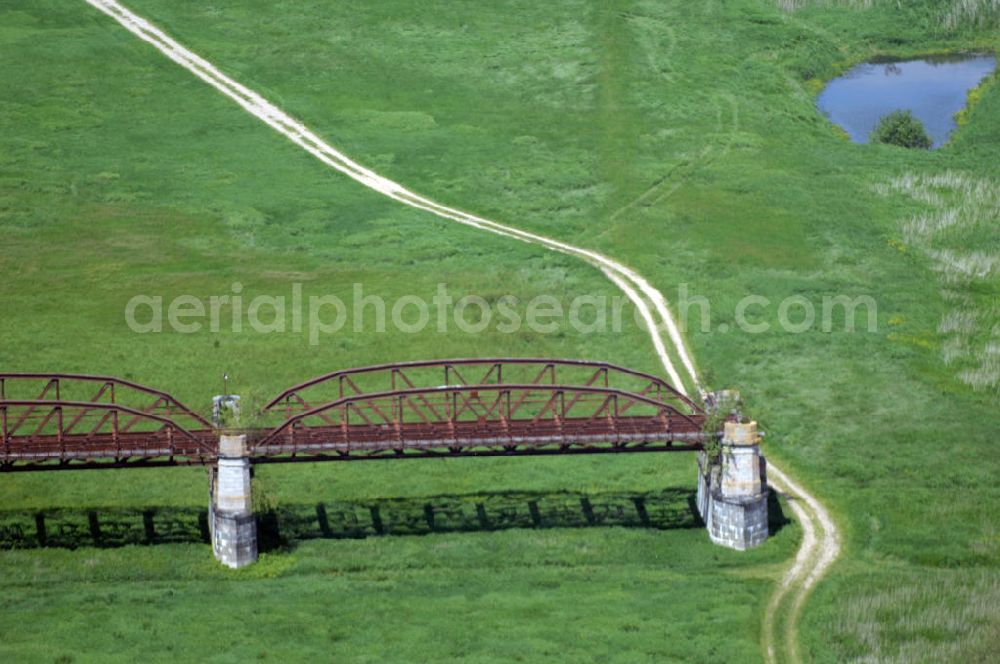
(491, 387)
(145, 389)
(51, 404)
(485, 361)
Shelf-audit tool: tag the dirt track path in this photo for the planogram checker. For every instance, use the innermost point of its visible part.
(819, 549)
(820, 546)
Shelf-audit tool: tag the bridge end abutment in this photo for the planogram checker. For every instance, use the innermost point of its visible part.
(232, 523)
(732, 489)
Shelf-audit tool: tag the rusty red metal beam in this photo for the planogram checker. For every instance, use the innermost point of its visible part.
(496, 451)
(535, 415)
(449, 371)
(108, 384)
(49, 440)
(407, 419)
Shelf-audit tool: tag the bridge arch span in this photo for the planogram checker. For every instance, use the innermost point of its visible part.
(475, 420)
(380, 378)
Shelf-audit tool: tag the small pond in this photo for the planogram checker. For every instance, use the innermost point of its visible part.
(934, 88)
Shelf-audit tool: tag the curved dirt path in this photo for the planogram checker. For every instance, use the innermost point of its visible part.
(646, 298)
(820, 545)
(819, 549)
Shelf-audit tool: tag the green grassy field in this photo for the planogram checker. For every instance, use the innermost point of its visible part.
(679, 138)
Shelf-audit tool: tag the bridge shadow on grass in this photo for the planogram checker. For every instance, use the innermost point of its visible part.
(285, 525)
(478, 512)
(776, 519)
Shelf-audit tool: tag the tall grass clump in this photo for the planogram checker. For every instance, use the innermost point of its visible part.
(920, 619)
(976, 13)
(792, 5)
(955, 234)
(955, 14)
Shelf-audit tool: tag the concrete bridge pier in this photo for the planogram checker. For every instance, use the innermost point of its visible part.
(230, 512)
(732, 489)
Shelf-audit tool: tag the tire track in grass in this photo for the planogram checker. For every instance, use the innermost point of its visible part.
(819, 550)
(636, 288)
(820, 546)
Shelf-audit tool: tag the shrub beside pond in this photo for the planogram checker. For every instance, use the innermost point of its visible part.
(902, 128)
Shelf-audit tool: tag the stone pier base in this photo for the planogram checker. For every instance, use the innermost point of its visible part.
(234, 538)
(732, 490)
(737, 523)
(231, 519)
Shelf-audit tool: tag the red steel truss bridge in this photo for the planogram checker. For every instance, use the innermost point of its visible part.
(440, 408)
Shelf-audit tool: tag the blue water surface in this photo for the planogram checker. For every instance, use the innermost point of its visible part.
(934, 88)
